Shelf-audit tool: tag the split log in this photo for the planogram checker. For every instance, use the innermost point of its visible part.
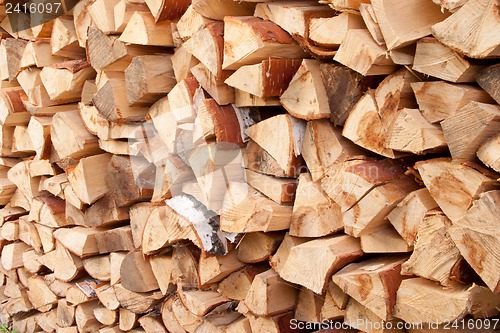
(88, 178)
(143, 30)
(222, 93)
(435, 255)
(364, 319)
(412, 133)
(324, 256)
(200, 302)
(162, 267)
(64, 41)
(309, 306)
(373, 283)
(373, 59)
(11, 51)
(237, 284)
(12, 255)
(167, 10)
(148, 78)
(182, 62)
(306, 97)
(84, 317)
(245, 99)
(102, 15)
(331, 31)
(137, 302)
(269, 78)
(410, 212)
(412, 302)
(98, 267)
(222, 9)
(105, 316)
(207, 45)
(454, 185)
(386, 240)
(142, 278)
(435, 59)
(280, 190)
(488, 153)
(422, 15)
(474, 227)
(237, 54)
(128, 320)
(39, 294)
(439, 100)
(344, 87)
(269, 295)
(479, 43)
(467, 129)
(246, 210)
(314, 214)
(124, 10)
(258, 246)
(370, 20)
(281, 128)
(487, 79)
(216, 268)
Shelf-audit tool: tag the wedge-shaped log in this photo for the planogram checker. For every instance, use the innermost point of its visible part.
(269, 295)
(488, 80)
(477, 226)
(207, 45)
(143, 30)
(439, 100)
(324, 256)
(137, 302)
(314, 213)
(479, 42)
(218, 11)
(306, 96)
(136, 273)
(269, 78)
(167, 9)
(436, 59)
(263, 39)
(489, 154)
(455, 185)
(467, 129)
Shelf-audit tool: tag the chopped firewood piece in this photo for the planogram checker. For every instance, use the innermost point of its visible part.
(435, 254)
(247, 210)
(410, 212)
(436, 59)
(280, 190)
(488, 80)
(222, 9)
(258, 246)
(423, 301)
(469, 29)
(39, 294)
(167, 9)
(489, 153)
(137, 302)
(475, 228)
(142, 29)
(331, 31)
(421, 16)
(187, 320)
(148, 78)
(168, 317)
(207, 45)
(222, 93)
(263, 39)
(11, 51)
(385, 240)
(306, 96)
(98, 267)
(216, 268)
(309, 306)
(162, 266)
(12, 255)
(467, 129)
(293, 17)
(363, 319)
(454, 185)
(237, 284)
(373, 283)
(269, 295)
(142, 279)
(314, 213)
(200, 302)
(361, 53)
(269, 78)
(439, 100)
(245, 99)
(64, 41)
(412, 133)
(322, 256)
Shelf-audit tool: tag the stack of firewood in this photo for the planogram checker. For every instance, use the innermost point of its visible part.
(251, 166)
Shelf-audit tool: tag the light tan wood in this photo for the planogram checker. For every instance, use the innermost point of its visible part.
(481, 43)
(144, 281)
(64, 41)
(454, 185)
(222, 93)
(128, 319)
(373, 60)
(245, 99)
(422, 15)
(136, 302)
(258, 246)
(105, 316)
(364, 319)
(185, 266)
(191, 22)
(11, 51)
(471, 228)
(65, 314)
(487, 79)
(167, 10)
(221, 9)
(280, 190)
(386, 240)
(269, 295)
(98, 267)
(187, 320)
(436, 59)
(207, 45)
(257, 45)
(439, 100)
(39, 294)
(331, 31)
(156, 75)
(200, 302)
(306, 97)
(216, 268)
(84, 317)
(124, 10)
(182, 62)
(314, 213)
(488, 153)
(412, 133)
(106, 295)
(309, 306)
(142, 29)
(467, 129)
(324, 256)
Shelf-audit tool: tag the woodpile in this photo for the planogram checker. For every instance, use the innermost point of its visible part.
(249, 166)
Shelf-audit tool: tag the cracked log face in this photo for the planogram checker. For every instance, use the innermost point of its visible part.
(227, 166)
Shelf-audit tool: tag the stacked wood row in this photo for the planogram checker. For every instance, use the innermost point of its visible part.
(244, 166)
